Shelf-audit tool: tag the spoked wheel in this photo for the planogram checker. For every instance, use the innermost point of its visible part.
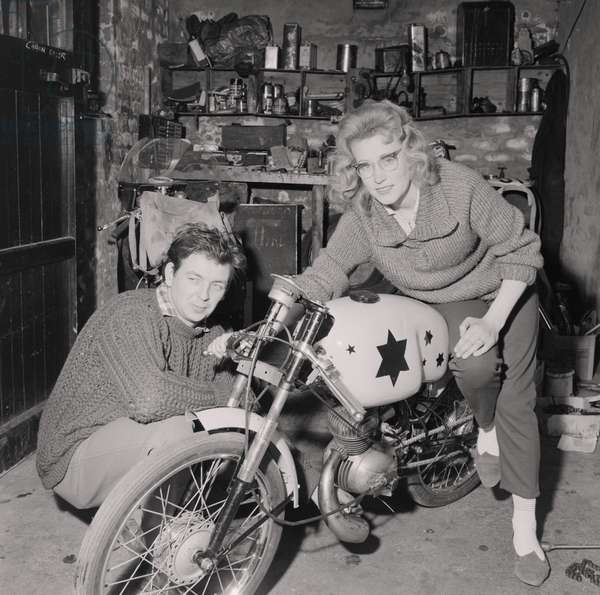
(451, 474)
(149, 534)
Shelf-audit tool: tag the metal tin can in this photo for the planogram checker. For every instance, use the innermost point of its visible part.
(291, 45)
(267, 98)
(536, 99)
(346, 57)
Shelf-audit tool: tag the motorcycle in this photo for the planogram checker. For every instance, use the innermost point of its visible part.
(207, 515)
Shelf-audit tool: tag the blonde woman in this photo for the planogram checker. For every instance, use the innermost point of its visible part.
(440, 234)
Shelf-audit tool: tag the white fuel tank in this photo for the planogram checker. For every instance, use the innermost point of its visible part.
(385, 346)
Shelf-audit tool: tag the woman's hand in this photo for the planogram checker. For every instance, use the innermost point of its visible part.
(218, 346)
(477, 336)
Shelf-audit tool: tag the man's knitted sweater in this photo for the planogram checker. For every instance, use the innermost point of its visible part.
(128, 361)
(467, 238)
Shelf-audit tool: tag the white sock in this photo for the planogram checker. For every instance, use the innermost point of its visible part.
(524, 525)
(487, 441)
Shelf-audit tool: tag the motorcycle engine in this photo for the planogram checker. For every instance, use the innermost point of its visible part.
(366, 465)
(352, 438)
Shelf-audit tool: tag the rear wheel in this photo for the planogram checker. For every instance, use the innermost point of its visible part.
(451, 474)
(149, 534)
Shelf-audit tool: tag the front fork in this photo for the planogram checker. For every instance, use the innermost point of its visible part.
(304, 336)
(245, 475)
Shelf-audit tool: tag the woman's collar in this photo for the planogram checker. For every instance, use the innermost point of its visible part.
(434, 219)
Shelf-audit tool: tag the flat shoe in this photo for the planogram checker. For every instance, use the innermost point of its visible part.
(531, 570)
(488, 467)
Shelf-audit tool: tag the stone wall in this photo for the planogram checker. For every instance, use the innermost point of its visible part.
(130, 31)
(580, 250)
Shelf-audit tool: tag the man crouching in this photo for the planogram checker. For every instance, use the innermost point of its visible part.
(134, 370)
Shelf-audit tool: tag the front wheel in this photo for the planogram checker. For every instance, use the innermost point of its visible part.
(451, 472)
(149, 534)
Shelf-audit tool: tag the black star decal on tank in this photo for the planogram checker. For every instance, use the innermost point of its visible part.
(351, 349)
(440, 359)
(428, 337)
(392, 358)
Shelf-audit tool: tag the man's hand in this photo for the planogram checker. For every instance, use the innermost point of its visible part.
(477, 336)
(218, 346)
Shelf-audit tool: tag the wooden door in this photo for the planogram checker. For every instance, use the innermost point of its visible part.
(37, 236)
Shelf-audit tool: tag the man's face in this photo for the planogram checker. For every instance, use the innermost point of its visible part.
(197, 286)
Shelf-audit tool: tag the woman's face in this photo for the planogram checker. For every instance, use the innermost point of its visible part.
(383, 169)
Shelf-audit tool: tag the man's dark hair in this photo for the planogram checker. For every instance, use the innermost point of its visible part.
(195, 238)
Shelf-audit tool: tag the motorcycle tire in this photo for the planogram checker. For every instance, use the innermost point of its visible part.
(145, 534)
(454, 476)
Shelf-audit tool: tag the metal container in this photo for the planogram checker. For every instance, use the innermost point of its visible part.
(536, 99)
(291, 45)
(271, 57)
(308, 56)
(418, 47)
(267, 96)
(523, 94)
(311, 107)
(441, 60)
(346, 56)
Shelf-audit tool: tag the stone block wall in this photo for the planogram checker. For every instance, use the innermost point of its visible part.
(130, 31)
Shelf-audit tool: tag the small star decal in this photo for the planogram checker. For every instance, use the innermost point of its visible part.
(424, 362)
(440, 359)
(350, 349)
(392, 358)
(428, 337)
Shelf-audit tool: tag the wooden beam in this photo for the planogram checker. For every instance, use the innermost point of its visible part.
(27, 256)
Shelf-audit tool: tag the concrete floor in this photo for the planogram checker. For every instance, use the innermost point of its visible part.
(464, 548)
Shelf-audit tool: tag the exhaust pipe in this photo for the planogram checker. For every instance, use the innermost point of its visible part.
(351, 528)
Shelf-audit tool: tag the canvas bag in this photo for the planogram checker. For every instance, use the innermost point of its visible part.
(160, 216)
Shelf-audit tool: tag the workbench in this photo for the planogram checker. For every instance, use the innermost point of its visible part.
(254, 177)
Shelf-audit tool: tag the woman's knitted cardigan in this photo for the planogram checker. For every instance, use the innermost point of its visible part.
(128, 361)
(467, 239)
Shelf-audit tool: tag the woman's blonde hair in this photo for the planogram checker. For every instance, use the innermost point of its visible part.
(393, 122)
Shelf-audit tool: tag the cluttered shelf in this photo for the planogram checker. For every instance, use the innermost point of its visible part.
(193, 68)
(287, 116)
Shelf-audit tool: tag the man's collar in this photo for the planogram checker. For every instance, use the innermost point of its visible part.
(167, 308)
